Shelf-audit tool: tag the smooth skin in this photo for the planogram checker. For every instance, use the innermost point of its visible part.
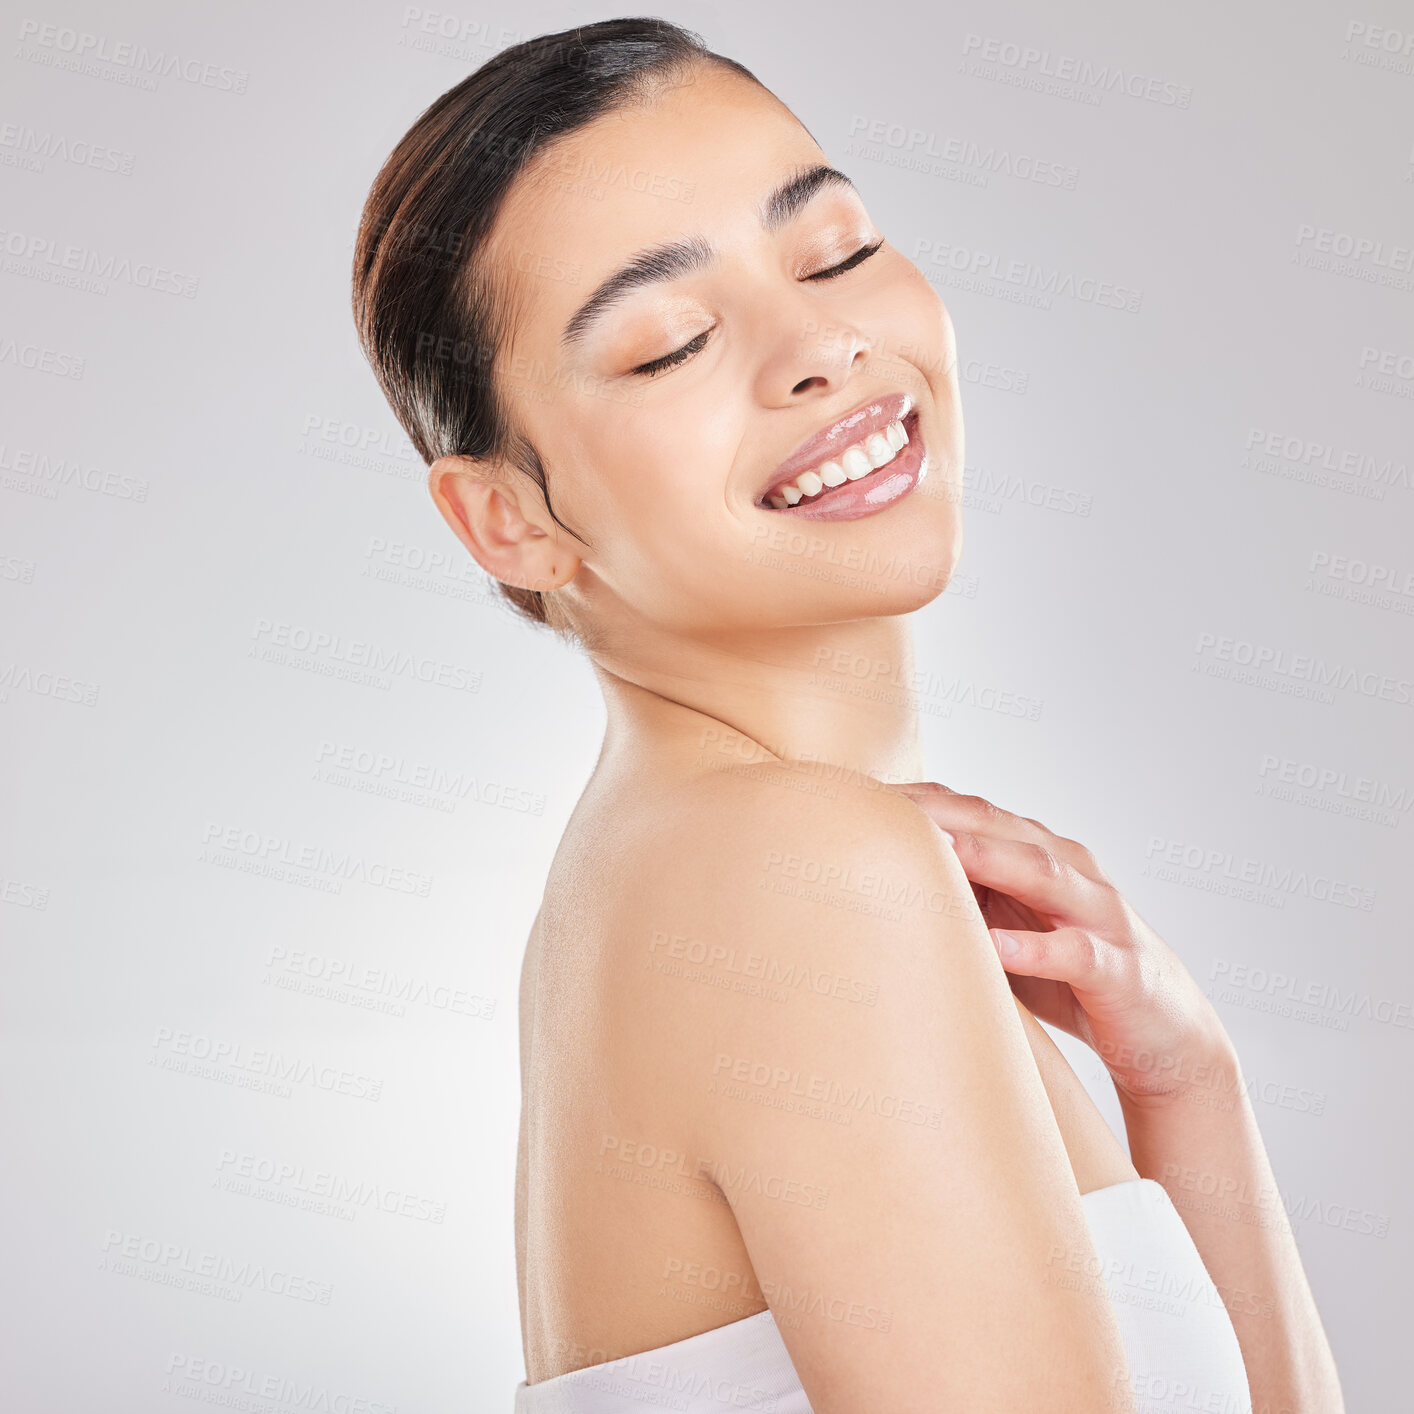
(663, 1186)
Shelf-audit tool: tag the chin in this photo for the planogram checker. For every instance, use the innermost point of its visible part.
(922, 558)
(910, 570)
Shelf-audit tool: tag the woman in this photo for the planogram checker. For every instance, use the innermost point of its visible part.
(789, 1140)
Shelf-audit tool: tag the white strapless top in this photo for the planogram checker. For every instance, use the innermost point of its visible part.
(1182, 1349)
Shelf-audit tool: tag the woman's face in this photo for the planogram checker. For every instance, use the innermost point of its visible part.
(665, 416)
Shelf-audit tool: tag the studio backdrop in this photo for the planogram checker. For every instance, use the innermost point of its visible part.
(284, 776)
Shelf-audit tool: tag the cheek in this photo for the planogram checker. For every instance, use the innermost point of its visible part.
(660, 519)
(664, 465)
(685, 453)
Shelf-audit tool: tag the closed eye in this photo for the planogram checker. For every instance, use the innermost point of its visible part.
(661, 365)
(858, 258)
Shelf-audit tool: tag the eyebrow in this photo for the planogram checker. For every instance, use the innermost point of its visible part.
(678, 258)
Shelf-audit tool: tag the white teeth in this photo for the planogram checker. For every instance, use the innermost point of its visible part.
(874, 451)
(877, 449)
(856, 464)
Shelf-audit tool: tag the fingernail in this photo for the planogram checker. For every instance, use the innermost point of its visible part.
(1007, 945)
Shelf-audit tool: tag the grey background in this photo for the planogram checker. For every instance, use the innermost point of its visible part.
(188, 480)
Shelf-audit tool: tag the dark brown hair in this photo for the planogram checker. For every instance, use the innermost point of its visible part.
(424, 306)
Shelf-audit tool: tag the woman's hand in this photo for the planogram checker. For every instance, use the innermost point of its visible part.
(1077, 955)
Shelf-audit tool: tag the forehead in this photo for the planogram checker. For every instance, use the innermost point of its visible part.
(697, 158)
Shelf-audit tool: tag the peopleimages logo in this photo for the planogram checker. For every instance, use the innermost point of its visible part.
(33, 148)
(220, 840)
(179, 1264)
(1026, 60)
(1022, 281)
(60, 47)
(1308, 452)
(1282, 879)
(235, 1387)
(339, 1189)
(1378, 46)
(1285, 770)
(43, 257)
(41, 359)
(1311, 999)
(296, 645)
(1263, 665)
(985, 157)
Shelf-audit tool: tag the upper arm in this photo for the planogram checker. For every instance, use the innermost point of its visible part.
(858, 1084)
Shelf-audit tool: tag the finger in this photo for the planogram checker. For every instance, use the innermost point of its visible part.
(952, 811)
(1073, 955)
(1033, 875)
(920, 788)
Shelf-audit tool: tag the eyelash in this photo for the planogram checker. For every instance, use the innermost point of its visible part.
(661, 365)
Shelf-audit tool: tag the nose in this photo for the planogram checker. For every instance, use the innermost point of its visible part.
(807, 351)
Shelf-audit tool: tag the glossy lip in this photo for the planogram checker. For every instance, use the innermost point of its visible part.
(870, 494)
(868, 418)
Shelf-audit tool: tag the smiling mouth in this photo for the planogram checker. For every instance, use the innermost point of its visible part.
(855, 463)
(864, 477)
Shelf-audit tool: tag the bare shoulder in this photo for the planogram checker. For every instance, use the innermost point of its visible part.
(731, 885)
(817, 1005)
(780, 920)
(789, 829)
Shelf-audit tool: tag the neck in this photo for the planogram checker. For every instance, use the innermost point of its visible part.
(839, 694)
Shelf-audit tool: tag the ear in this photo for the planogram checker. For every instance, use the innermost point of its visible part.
(493, 511)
